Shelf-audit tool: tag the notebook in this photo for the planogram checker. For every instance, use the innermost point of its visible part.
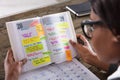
(44, 41)
(81, 9)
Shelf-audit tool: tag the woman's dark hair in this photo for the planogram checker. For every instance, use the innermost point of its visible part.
(109, 12)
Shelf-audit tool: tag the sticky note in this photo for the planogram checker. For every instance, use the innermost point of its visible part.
(34, 48)
(66, 47)
(64, 40)
(30, 40)
(39, 61)
(48, 53)
(62, 31)
(39, 29)
(34, 23)
(68, 55)
(42, 38)
(66, 43)
(63, 25)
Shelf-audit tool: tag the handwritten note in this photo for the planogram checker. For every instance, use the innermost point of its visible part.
(30, 40)
(39, 61)
(52, 33)
(53, 38)
(47, 53)
(64, 40)
(54, 42)
(66, 43)
(34, 22)
(62, 31)
(27, 35)
(57, 49)
(34, 54)
(66, 47)
(50, 28)
(42, 38)
(63, 25)
(34, 48)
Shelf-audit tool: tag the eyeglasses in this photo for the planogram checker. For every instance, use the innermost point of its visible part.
(88, 27)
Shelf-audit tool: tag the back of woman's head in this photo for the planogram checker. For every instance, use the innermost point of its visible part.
(109, 12)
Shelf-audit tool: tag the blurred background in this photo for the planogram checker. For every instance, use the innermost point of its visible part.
(12, 7)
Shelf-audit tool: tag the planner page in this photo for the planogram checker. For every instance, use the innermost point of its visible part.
(72, 70)
(59, 30)
(29, 41)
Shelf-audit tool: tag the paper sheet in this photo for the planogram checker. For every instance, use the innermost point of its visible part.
(73, 70)
(59, 30)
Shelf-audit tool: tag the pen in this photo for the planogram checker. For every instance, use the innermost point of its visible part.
(80, 41)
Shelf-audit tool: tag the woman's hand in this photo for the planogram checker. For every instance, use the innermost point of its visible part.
(12, 68)
(85, 51)
(87, 54)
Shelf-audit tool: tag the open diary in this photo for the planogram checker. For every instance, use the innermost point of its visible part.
(44, 41)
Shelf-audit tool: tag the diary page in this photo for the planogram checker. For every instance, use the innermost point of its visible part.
(59, 30)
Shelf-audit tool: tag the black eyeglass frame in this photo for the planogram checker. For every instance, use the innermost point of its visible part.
(91, 23)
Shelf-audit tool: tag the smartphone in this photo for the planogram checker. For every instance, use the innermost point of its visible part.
(80, 41)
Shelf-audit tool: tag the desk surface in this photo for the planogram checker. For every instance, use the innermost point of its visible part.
(4, 41)
(12, 7)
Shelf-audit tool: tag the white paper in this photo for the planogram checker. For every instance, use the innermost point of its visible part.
(73, 70)
(59, 30)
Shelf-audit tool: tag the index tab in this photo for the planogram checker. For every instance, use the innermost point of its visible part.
(40, 30)
(68, 55)
(63, 25)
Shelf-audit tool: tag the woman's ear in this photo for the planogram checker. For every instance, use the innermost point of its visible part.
(118, 37)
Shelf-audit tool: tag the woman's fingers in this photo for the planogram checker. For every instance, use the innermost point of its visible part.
(83, 38)
(79, 47)
(73, 43)
(76, 45)
(86, 42)
(22, 62)
(9, 58)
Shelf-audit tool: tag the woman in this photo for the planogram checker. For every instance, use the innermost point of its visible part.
(104, 32)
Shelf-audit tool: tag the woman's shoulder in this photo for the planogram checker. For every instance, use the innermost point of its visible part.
(115, 75)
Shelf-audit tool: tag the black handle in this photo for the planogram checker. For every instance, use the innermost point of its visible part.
(80, 41)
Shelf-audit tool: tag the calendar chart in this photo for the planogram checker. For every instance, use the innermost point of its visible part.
(73, 70)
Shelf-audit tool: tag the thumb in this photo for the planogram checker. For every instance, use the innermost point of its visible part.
(76, 45)
(86, 42)
(22, 62)
(83, 38)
